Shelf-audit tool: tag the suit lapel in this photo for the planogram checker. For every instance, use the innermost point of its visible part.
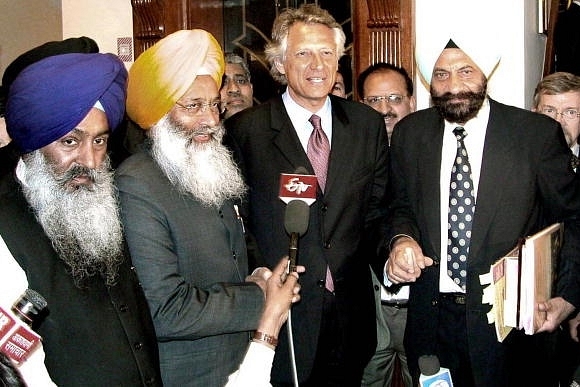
(285, 138)
(428, 162)
(341, 136)
(496, 171)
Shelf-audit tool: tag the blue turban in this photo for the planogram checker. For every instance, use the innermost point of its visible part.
(51, 97)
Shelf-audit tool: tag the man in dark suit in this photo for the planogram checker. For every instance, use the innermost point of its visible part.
(60, 221)
(334, 324)
(516, 175)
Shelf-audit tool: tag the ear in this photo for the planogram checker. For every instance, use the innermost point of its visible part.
(279, 66)
(412, 103)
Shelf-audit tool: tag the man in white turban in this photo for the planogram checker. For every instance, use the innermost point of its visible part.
(510, 171)
(177, 201)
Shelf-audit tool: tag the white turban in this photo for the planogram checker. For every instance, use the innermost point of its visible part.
(474, 34)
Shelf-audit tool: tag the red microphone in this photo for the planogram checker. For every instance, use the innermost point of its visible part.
(17, 339)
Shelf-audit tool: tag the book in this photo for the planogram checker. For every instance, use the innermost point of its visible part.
(521, 279)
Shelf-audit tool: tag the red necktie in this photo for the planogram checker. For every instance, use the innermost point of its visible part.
(318, 150)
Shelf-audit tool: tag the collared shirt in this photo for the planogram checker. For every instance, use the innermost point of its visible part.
(474, 142)
(300, 116)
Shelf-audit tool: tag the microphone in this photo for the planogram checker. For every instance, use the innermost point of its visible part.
(17, 339)
(296, 220)
(432, 374)
(298, 191)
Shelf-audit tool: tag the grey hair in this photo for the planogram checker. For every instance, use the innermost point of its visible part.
(232, 58)
(308, 14)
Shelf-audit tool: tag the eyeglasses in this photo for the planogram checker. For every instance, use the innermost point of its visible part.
(393, 99)
(568, 114)
(198, 107)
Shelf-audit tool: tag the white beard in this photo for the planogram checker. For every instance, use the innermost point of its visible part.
(207, 171)
(83, 224)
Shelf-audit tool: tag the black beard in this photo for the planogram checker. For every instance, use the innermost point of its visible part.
(461, 112)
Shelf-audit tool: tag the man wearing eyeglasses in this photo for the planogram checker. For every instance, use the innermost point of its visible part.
(558, 96)
(389, 90)
(237, 91)
(177, 205)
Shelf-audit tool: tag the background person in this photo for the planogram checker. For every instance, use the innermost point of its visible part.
(389, 90)
(558, 96)
(237, 90)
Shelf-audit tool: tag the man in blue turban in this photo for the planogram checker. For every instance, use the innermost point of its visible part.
(59, 220)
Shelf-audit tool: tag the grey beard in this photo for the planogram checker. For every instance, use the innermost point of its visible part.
(206, 171)
(83, 224)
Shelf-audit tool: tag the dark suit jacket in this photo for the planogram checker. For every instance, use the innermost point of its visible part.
(267, 145)
(526, 182)
(191, 260)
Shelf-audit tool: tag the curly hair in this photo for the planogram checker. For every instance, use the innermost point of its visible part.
(308, 14)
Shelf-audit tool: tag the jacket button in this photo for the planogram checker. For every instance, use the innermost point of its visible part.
(324, 208)
(326, 245)
(123, 308)
(434, 302)
(138, 346)
(376, 288)
(320, 283)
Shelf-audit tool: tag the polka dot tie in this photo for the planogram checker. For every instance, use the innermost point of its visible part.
(461, 210)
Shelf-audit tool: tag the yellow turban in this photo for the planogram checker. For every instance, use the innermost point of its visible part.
(164, 72)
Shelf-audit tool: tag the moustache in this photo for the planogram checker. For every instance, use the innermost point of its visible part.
(390, 115)
(77, 171)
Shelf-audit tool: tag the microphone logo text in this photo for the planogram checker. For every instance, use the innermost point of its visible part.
(295, 185)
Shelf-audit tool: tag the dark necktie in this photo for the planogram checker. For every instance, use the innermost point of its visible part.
(461, 211)
(318, 150)
(574, 162)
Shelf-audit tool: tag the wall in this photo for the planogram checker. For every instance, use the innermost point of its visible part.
(512, 25)
(102, 20)
(23, 24)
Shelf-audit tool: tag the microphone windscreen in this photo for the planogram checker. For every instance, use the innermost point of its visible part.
(296, 217)
(429, 365)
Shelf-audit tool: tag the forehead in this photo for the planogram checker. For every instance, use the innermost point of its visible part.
(570, 99)
(303, 35)
(454, 58)
(202, 87)
(389, 81)
(234, 69)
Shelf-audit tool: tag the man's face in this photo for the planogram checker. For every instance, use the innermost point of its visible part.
(75, 155)
(458, 86)
(339, 89)
(561, 108)
(310, 64)
(237, 91)
(386, 92)
(197, 112)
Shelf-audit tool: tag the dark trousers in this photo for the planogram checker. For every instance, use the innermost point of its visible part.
(327, 370)
(452, 341)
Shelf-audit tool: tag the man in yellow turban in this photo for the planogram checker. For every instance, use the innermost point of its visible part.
(177, 202)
